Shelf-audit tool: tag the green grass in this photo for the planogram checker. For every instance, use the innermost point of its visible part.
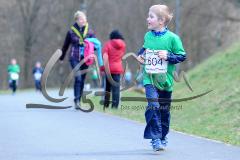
(5, 92)
(2, 92)
(216, 115)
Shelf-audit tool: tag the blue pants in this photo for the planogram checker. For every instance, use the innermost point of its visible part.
(79, 79)
(115, 91)
(38, 85)
(157, 113)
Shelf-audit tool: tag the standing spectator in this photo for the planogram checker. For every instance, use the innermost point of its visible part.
(76, 38)
(114, 50)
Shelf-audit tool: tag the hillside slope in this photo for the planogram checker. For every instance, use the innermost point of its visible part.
(216, 115)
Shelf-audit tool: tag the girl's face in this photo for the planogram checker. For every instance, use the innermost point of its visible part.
(154, 23)
(38, 65)
(13, 61)
(81, 21)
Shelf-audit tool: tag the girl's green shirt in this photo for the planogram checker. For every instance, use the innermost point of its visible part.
(14, 68)
(170, 42)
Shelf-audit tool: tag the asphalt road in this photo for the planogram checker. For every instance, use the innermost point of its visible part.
(32, 134)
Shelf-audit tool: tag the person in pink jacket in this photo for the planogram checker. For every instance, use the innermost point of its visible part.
(114, 49)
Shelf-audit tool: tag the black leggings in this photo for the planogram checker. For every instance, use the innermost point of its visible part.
(13, 85)
(115, 91)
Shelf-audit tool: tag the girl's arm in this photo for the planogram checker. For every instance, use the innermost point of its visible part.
(177, 55)
(175, 58)
(34, 70)
(123, 51)
(18, 69)
(104, 55)
(141, 51)
(140, 57)
(65, 46)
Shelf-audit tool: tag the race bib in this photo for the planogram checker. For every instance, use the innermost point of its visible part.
(153, 64)
(14, 76)
(37, 76)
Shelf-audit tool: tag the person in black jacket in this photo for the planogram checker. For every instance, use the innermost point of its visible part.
(75, 38)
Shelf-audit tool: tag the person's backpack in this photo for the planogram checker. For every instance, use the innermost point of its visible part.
(88, 52)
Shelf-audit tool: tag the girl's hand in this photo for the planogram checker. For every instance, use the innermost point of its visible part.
(141, 59)
(163, 54)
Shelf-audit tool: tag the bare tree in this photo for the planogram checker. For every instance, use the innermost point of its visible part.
(33, 25)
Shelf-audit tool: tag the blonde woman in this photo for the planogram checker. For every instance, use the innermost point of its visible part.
(75, 37)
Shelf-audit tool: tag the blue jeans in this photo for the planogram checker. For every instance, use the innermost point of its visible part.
(115, 91)
(38, 85)
(157, 113)
(79, 79)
